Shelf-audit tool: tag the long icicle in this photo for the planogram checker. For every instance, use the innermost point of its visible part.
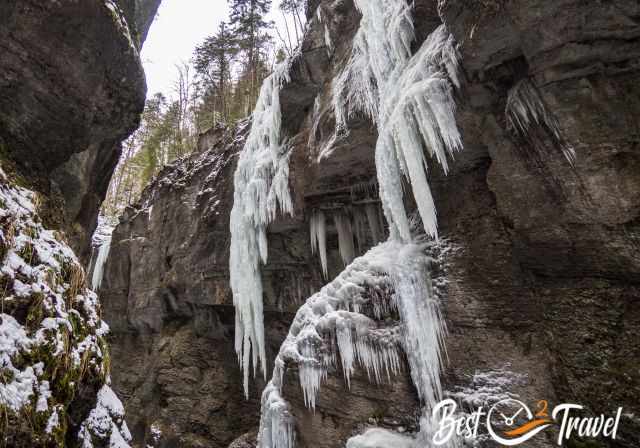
(261, 184)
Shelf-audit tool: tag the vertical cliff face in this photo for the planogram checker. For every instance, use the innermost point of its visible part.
(539, 247)
(72, 88)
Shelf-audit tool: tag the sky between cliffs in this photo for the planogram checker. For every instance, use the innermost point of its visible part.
(179, 26)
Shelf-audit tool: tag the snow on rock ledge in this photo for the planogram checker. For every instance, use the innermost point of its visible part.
(52, 342)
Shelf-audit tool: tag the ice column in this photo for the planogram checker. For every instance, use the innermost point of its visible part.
(261, 184)
(409, 98)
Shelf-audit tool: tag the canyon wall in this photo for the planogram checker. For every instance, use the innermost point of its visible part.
(72, 89)
(539, 254)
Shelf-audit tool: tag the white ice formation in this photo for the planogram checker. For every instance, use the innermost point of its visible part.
(344, 321)
(261, 184)
(100, 242)
(526, 109)
(318, 231)
(409, 98)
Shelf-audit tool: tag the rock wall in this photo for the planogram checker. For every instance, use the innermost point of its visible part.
(71, 89)
(542, 262)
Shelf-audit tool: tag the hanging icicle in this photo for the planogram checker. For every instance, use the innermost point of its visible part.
(318, 231)
(345, 237)
(373, 219)
(409, 98)
(526, 112)
(261, 184)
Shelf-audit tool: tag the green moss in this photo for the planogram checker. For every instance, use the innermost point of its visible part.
(36, 311)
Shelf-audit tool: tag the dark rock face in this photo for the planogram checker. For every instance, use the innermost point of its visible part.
(71, 89)
(544, 266)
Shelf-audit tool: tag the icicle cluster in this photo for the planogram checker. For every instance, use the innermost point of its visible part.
(261, 189)
(343, 320)
(526, 109)
(345, 237)
(318, 231)
(409, 98)
(364, 222)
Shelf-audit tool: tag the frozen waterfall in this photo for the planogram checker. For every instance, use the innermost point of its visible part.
(101, 260)
(261, 185)
(345, 320)
(101, 240)
(409, 98)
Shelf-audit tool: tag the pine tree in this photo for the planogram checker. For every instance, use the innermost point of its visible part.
(212, 60)
(248, 19)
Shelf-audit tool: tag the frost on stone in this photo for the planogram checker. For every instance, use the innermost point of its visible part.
(121, 22)
(51, 335)
(528, 115)
(349, 324)
(106, 422)
(484, 388)
(410, 98)
(261, 185)
(382, 438)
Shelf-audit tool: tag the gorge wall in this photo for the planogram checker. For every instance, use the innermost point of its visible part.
(539, 254)
(71, 89)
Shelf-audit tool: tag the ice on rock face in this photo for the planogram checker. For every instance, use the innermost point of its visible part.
(409, 98)
(261, 185)
(525, 110)
(345, 237)
(276, 423)
(318, 231)
(102, 240)
(343, 320)
(381, 438)
(101, 261)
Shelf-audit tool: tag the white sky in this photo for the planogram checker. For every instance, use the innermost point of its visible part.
(179, 26)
